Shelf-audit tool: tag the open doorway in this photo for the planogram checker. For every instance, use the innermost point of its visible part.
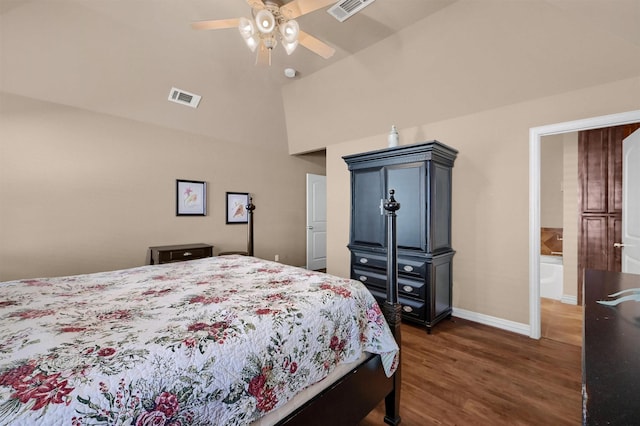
(560, 316)
(535, 136)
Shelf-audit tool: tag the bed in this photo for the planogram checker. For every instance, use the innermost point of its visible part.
(222, 340)
(228, 340)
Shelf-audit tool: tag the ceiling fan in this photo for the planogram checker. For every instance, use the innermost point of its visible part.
(272, 20)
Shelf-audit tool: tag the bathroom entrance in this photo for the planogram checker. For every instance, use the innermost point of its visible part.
(571, 227)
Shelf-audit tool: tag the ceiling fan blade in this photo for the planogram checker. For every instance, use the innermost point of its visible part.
(316, 46)
(263, 57)
(297, 8)
(216, 25)
(256, 4)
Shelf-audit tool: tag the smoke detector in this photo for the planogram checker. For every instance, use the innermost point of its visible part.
(345, 9)
(290, 72)
(183, 97)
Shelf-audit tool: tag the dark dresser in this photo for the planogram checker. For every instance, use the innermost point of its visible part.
(178, 253)
(610, 350)
(421, 176)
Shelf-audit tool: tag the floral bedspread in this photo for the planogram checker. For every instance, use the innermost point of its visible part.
(219, 341)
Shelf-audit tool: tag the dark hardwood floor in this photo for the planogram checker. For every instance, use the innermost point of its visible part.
(466, 373)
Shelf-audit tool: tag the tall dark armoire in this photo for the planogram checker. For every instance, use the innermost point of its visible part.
(420, 174)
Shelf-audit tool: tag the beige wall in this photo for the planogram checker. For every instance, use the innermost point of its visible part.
(471, 56)
(570, 215)
(551, 185)
(476, 76)
(83, 192)
(490, 192)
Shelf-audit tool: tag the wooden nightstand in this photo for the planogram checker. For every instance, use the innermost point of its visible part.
(178, 253)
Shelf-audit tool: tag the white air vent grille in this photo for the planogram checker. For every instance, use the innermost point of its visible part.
(347, 8)
(183, 97)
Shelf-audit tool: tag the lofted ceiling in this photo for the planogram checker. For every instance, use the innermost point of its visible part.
(121, 57)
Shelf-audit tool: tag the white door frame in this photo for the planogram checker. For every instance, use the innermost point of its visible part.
(535, 135)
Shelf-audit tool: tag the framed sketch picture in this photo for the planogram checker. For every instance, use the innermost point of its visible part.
(237, 207)
(191, 198)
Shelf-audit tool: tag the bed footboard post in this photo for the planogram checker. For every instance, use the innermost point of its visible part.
(391, 308)
(250, 208)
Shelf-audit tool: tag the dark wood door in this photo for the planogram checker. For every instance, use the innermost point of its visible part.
(600, 198)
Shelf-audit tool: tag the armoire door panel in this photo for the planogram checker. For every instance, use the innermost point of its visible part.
(368, 223)
(439, 222)
(408, 182)
(442, 294)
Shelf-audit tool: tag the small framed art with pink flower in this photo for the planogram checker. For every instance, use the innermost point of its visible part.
(191, 198)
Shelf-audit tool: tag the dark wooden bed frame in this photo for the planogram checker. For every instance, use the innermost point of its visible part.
(356, 394)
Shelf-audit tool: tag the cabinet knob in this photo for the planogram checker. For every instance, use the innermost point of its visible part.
(187, 253)
(407, 308)
(363, 278)
(407, 288)
(363, 260)
(408, 268)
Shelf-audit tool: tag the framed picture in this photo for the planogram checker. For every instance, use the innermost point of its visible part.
(237, 207)
(191, 198)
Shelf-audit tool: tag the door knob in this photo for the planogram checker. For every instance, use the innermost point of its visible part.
(618, 245)
(309, 227)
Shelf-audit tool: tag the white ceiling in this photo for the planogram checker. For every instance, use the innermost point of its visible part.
(121, 57)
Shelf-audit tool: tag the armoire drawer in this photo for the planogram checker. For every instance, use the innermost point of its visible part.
(406, 286)
(370, 260)
(412, 267)
(411, 309)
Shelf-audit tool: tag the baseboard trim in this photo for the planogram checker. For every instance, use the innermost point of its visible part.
(569, 300)
(496, 322)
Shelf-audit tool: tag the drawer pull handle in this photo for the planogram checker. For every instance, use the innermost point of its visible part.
(407, 308)
(407, 288)
(408, 268)
(187, 253)
(363, 260)
(363, 278)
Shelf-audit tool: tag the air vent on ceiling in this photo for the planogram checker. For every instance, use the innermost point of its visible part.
(347, 8)
(180, 96)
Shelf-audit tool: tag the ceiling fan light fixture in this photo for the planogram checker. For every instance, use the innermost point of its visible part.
(248, 32)
(290, 31)
(252, 42)
(272, 21)
(289, 47)
(269, 41)
(246, 28)
(265, 21)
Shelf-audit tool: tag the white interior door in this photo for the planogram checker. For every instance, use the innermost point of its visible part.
(631, 203)
(316, 222)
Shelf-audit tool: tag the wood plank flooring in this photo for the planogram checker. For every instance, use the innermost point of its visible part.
(561, 322)
(466, 373)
